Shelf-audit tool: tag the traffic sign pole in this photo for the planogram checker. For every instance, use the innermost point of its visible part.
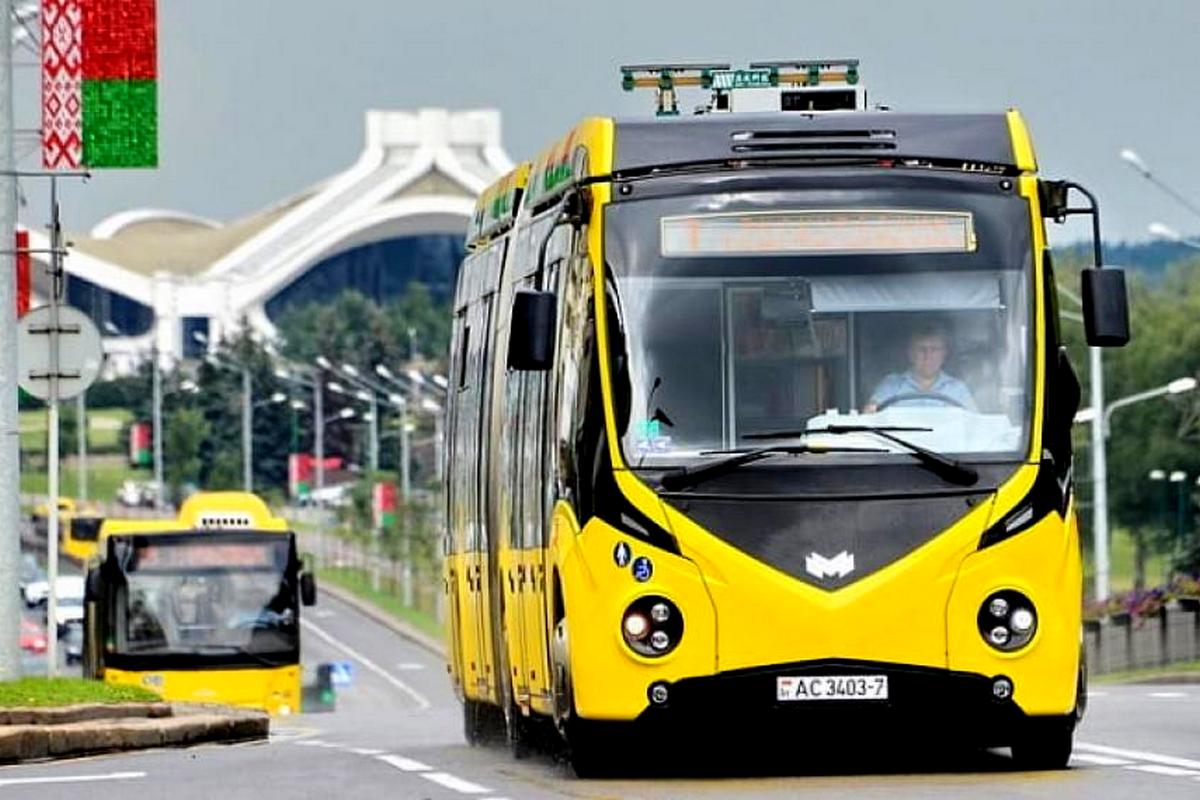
(10, 474)
(52, 446)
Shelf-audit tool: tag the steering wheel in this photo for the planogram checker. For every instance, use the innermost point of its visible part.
(899, 398)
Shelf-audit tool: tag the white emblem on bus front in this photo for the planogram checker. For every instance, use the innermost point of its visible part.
(839, 566)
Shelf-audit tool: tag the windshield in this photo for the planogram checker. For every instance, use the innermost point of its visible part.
(201, 593)
(742, 324)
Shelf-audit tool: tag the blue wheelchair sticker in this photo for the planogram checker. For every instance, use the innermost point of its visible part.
(642, 569)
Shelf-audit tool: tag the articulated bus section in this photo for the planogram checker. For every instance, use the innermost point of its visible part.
(750, 424)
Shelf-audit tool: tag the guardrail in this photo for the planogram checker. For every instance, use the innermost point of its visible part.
(1125, 642)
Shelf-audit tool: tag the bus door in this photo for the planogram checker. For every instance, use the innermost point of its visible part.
(454, 542)
(537, 493)
(485, 628)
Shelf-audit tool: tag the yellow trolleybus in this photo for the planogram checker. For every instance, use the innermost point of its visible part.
(760, 416)
(202, 608)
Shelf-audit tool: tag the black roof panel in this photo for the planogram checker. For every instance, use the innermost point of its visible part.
(974, 138)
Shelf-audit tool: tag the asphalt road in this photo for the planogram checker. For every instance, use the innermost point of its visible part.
(396, 733)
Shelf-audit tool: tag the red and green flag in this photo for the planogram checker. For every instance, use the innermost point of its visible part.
(99, 84)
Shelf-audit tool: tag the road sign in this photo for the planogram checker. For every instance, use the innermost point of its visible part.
(341, 673)
(80, 353)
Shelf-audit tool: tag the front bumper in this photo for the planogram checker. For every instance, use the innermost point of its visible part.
(958, 704)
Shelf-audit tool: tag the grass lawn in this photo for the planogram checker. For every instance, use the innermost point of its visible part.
(67, 691)
(1187, 670)
(104, 429)
(1120, 565)
(358, 583)
(104, 476)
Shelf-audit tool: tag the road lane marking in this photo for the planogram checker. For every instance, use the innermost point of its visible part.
(365, 751)
(1168, 694)
(1139, 755)
(1158, 769)
(455, 783)
(1100, 761)
(417, 697)
(112, 776)
(1092, 694)
(405, 764)
(409, 666)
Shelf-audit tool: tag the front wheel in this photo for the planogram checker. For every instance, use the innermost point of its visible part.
(1045, 743)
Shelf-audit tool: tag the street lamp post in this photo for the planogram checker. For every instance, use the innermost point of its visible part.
(311, 379)
(1100, 430)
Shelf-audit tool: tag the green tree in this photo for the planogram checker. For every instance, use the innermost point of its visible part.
(186, 431)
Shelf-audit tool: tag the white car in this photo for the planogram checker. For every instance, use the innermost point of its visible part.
(69, 588)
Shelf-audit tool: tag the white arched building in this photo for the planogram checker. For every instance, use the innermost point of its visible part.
(152, 277)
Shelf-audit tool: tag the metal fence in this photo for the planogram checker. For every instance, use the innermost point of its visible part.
(414, 584)
(1122, 643)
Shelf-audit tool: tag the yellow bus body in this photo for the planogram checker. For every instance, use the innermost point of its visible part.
(275, 690)
(512, 604)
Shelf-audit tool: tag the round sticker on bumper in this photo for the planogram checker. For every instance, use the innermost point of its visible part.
(642, 569)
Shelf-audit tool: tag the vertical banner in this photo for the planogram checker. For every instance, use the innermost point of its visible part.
(140, 444)
(383, 504)
(24, 272)
(62, 84)
(99, 83)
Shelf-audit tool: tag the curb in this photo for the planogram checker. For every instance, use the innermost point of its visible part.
(48, 735)
(377, 614)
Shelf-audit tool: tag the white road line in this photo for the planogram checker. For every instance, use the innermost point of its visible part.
(455, 783)
(1168, 694)
(409, 666)
(1092, 694)
(416, 696)
(1100, 761)
(365, 751)
(1139, 755)
(112, 776)
(405, 764)
(1156, 769)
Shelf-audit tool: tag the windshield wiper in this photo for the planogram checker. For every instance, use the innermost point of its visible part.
(683, 477)
(943, 466)
(234, 650)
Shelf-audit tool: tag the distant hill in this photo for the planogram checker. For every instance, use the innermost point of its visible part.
(1150, 259)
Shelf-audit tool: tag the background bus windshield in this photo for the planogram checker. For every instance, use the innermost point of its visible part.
(207, 597)
(723, 346)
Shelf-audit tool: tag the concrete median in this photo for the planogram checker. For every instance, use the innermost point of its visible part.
(69, 731)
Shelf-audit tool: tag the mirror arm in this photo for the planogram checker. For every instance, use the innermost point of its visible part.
(1061, 213)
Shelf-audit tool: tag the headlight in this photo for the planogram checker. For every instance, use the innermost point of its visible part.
(652, 626)
(1007, 620)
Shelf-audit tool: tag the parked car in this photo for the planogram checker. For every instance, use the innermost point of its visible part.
(33, 636)
(72, 642)
(69, 588)
(31, 572)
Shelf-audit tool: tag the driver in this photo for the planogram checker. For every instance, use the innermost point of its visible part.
(924, 384)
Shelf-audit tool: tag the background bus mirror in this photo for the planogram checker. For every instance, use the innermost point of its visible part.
(308, 589)
(1105, 307)
(531, 343)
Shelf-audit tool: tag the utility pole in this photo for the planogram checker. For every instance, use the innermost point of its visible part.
(10, 472)
(157, 398)
(319, 431)
(81, 434)
(1099, 475)
(247, 433)
(52, 447)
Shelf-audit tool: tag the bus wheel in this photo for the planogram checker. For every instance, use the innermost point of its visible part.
(1045, 743)
(519, 731)
(474, 722)
(589, 756)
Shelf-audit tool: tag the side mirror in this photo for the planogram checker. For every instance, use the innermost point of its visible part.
(92, 586)
(1105, 307)
(308, 589)
(534, 321)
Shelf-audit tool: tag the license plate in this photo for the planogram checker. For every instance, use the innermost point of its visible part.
(832, 687)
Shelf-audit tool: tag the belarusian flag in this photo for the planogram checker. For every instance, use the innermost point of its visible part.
(99, 84)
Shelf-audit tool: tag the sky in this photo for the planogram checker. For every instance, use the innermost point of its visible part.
(261, 98)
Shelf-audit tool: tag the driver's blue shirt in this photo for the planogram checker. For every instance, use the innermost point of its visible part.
(903, 383)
